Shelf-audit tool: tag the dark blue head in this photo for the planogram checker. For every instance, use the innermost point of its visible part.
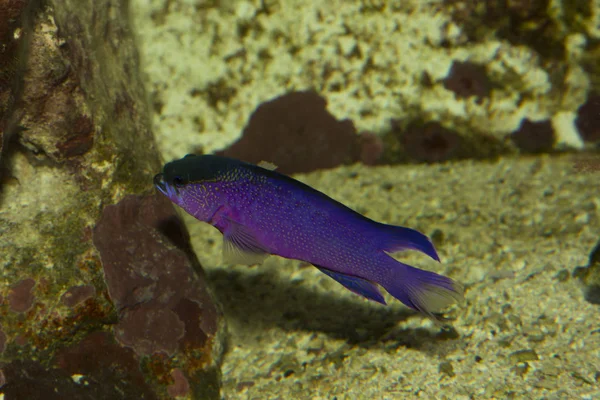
(188, 182)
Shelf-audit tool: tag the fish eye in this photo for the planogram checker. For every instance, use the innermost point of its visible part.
(178, 181)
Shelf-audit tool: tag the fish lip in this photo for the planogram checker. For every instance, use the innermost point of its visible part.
(159, 183)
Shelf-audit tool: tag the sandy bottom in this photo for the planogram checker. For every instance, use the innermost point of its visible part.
(511, 231)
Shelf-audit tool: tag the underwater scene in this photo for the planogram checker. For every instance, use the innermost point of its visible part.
(299, 199)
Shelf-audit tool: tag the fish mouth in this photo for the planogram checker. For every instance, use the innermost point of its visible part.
(160, 184)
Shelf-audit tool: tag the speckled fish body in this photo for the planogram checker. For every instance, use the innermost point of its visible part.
(262, 212)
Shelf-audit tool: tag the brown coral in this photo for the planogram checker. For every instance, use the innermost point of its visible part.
(20, 296)
(164, 306)
(77, 294)
(534, 137)
(371, 148)
(430, 142)
(588, 119)
(297, 133)
(467, 79)
(108, 369)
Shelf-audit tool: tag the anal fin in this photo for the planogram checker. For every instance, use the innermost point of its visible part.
(355, 284)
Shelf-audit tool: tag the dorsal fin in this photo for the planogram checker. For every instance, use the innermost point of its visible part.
(267, 165)
(393, 238)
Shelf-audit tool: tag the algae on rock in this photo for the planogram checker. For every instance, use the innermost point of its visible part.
(79, 190)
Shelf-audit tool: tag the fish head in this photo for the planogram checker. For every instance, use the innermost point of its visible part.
(174, 188)
(192, 183)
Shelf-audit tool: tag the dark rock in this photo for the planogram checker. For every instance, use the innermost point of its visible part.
(297, 133)
(20, 296)
(15, 19)
(150, 329)
(467, 79)
(108, 369)
(78, 294)
(33, 381)
(534, 137)
(588, 119)
(430, 142)
(3, 339)
(94, 369)
(590, 276)
(371, 148)
(153, 280)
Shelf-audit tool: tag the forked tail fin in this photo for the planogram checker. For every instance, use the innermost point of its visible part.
(422, 290)
(391, 238)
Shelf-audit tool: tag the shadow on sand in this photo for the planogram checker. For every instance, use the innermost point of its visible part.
(263, 299)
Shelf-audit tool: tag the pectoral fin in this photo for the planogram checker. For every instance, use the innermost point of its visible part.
(240, 246)
(355, 284)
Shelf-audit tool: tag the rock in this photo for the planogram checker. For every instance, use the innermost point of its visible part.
(588, 119)
(15, 17)
(534, 136)
(156, 283)
(590, 276)
(467, 79)
(431, 142)
(297, 133)
(103, 296)
(477, 68)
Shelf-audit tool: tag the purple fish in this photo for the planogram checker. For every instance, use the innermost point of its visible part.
(261, 212)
